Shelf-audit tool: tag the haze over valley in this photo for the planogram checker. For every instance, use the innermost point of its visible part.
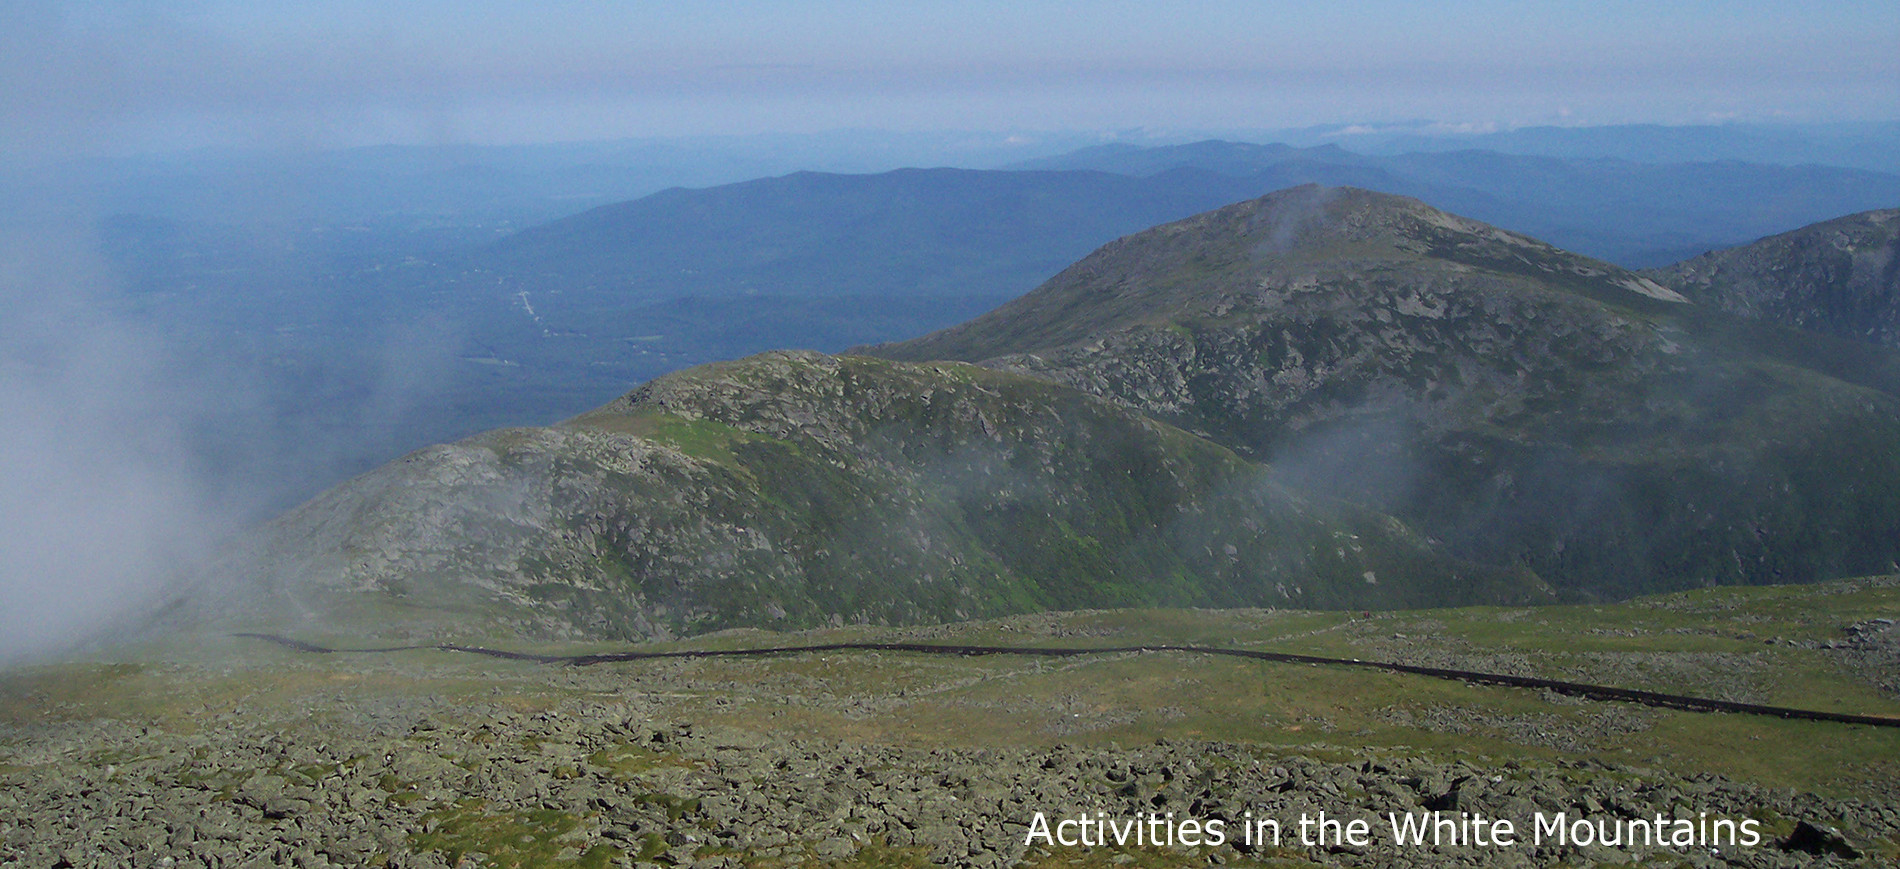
(380, 302)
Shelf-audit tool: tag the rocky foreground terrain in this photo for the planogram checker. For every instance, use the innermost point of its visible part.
(228, 751)
(606, 784)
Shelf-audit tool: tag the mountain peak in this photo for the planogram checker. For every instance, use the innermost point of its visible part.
(1525, 404)
(1310, 218)
(1297, 239)
(1314, 222)
(1840, 277)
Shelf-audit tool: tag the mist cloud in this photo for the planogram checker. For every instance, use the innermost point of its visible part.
(130, 455)
(99, 502)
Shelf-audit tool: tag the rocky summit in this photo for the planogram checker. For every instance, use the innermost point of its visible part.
(1521, 404)
(1841, 277)
(794, 489)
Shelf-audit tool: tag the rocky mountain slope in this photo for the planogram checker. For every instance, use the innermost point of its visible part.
(1841, 277)
(790, 489)
(1522, 404)
(1323, 397)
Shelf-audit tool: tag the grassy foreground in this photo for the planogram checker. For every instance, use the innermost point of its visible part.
(1818, 646)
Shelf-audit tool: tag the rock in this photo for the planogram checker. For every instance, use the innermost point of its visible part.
(284, 807)
(835, 848)
(1821, 840)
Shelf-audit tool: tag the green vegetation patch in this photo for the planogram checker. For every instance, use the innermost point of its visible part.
(520, 840)
(1119, 857)
(627, 760)
(706, 439)
(63, 690)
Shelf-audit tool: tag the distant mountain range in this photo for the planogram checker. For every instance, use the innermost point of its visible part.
(902, 245)
(1322, 397)
(1628, 212)
(559, 317)
(950, 231)
(1871, 145)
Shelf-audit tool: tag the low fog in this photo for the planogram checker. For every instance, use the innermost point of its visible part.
(102, 498)
(128, 453)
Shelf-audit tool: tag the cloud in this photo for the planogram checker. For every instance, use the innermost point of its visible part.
(135, 444)
(99, 501)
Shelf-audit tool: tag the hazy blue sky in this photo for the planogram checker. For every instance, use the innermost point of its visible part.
(78, 76)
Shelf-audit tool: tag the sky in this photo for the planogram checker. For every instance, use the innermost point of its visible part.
(139, 75)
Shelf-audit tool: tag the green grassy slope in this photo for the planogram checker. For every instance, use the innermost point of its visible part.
(526, 764)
